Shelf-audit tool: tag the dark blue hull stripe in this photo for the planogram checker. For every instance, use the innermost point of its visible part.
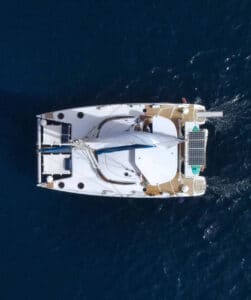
(121, 148)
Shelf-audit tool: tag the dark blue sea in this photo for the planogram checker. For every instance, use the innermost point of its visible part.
(60, 54)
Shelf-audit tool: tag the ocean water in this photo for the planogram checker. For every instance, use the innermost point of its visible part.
(59, 54)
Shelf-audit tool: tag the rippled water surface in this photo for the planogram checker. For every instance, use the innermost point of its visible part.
(58, 54)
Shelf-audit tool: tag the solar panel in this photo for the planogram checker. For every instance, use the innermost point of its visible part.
(196, 148)
(196, 143)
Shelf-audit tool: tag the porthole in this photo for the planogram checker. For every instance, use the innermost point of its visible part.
(81, 185)
(144, 189)
(126, 174)
(61, 184)
(60, 116)
(144, 110)
(80, 115)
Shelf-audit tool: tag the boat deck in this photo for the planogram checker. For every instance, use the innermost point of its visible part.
(120, 118)
(176, 114)
(174, 187)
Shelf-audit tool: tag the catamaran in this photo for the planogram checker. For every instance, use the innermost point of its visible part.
(124, 150)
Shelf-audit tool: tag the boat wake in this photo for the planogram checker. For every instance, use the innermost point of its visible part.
(230, 145)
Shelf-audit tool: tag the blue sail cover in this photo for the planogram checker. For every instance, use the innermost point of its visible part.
(122, 148)
(56, 150)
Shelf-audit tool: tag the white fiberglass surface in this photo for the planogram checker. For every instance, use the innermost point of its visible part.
(116, 127)
(117, 166)
(158, 164)
(164, 125)
(93, 184)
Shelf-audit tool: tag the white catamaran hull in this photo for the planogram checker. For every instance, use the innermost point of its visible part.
(123, 150)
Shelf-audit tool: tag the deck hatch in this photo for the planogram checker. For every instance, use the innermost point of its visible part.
(196, 148)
